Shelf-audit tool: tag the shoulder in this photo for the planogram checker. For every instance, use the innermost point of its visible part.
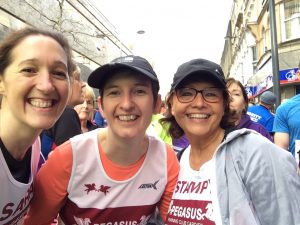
(263, 151)
(61, 157)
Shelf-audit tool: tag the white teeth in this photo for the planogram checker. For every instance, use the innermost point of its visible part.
(127, 117)
(40, 103)
(198, 116)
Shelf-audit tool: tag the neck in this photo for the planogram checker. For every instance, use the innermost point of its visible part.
(83, 124)
(17, 137)
(18, 145)
(123, 152)
(203, 149)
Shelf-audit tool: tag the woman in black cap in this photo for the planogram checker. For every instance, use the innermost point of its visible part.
(227, 176)
(113, 175)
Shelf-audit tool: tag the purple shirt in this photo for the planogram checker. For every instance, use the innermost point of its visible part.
(246, 122)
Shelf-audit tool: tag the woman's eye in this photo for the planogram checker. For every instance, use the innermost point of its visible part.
(186, 92)
(29, 70)
(113, 93)
(140, 91)
(60, 74)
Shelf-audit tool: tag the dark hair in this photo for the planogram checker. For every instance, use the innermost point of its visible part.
(154, 84)
(175, 130)
(231, 81)
(15, 37)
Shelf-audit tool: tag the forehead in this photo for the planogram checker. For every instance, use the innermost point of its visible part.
(199, 84)
(38, 46)
(234, 87)
(125, 78)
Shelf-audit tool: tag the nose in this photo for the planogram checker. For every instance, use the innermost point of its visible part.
(44, 82)
(127, 102)
(199, 100)
(230, 97)
(84, 104)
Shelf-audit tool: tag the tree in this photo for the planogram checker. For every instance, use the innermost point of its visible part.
(75, 20)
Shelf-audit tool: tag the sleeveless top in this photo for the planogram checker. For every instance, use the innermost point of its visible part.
(95, 198)
(16, 196)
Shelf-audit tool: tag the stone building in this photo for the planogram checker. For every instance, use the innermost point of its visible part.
(247, 50)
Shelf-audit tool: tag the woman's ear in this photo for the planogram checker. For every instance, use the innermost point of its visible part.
(100, 106)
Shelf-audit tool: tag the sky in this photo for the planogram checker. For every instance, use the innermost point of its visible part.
(176, 31)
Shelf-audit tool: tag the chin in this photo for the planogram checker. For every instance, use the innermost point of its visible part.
(42, 124)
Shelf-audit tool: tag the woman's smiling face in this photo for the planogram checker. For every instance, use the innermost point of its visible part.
(35, 85)
(198, 117)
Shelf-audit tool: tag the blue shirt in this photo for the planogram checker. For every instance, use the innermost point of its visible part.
(262, 115)
(287, 120)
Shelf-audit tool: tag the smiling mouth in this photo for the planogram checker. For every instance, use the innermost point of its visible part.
(127, 117)
(41, 103)
(198, 116)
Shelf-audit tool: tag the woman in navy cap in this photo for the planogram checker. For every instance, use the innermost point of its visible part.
(113, 175)
(226, 176)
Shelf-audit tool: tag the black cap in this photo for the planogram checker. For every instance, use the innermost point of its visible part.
(136, 63)
(201, 67)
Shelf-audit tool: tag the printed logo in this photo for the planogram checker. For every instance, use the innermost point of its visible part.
(80, 221)
(149, 185)
(92, 188)
(144, 220)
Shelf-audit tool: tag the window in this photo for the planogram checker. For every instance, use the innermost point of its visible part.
(292, 19)
(264, 35)
(254, 53)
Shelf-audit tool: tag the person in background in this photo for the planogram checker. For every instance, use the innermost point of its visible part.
(157, 130)
(227, 176)
(262, 113)
(287, 125)
(34, 86)
(114, 175)
(180, 143)
(68, 125)
(99, 120)
(239, 105)
(85, 110)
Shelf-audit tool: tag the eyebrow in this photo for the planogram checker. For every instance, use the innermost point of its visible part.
(36, 61)
(144, 84)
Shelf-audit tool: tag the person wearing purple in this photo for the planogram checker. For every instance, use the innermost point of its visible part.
(239, 105)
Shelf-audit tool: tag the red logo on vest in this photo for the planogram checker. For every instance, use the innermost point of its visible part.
(92, 188)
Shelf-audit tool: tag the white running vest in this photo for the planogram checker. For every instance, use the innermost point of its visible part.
(194, 199)
(95, 198)
(14, 195)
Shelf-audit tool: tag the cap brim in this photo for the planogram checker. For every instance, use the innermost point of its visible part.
(99, 76)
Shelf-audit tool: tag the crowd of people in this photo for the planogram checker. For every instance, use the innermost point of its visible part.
(202, 156)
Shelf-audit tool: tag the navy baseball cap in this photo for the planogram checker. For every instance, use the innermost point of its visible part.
(200, 67)
(136, 63)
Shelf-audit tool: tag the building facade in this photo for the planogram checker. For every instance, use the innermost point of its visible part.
(93, 38)
(247, 50)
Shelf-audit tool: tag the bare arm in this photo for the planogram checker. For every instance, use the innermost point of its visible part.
(282, 140)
